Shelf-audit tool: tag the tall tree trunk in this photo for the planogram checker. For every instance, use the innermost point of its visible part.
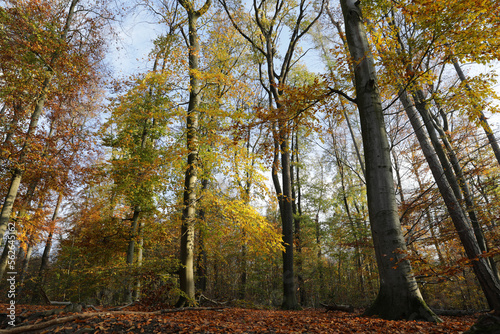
(452, 170)
(201, 264)
(480, 265)
(20, 215)
(289, 296)
(297, 211)
(48, 243)
(129, 290)
(25, 266)
(482, 118)
(17, 173)
(186, 273)
(467, 194)
(140, 252)
(399, 296)
(40, 280)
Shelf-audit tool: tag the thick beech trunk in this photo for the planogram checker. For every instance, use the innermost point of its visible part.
(399, 296)
(289, 296)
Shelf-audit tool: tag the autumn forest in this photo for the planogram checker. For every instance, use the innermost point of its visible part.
(269, 154)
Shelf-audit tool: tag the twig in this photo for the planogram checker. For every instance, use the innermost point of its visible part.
(122, 307)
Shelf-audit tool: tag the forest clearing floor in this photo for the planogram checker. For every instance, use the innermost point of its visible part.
(227, 320)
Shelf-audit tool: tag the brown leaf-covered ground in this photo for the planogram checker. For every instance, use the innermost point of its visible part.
(237, 320)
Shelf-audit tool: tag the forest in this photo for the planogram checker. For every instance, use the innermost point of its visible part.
(266, 154)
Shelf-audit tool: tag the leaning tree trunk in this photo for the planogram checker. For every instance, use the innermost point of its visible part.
(186, 273)
(399, 296)
(17, 173)
(480, 265)
(452, 170)
(482, 118)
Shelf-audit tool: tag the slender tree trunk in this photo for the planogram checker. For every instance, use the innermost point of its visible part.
(482, 118)
(297, 211)
(24, 267)
(17, 173)
(201, 265)
(481, 267)
(48, 243)
(8, 204)
(452, 170)
(129, 290)
(140, 252)
(20, 215)
(4, 258)
(467, 194)
(40, 280)
(399, 296)
(186, 273)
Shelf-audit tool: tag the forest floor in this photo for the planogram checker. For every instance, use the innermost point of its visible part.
(224, 320)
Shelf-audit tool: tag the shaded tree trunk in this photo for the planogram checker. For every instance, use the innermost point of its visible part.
(399, 296)
(130, 254)
(289, 296)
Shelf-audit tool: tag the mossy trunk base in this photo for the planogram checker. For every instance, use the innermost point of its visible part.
(486, 324)
(398, 308)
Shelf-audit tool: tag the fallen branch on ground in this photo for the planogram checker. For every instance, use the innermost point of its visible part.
(57, 321)
(119, 308)
(343, 308)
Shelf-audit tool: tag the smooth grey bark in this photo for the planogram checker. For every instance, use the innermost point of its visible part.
(399, 296)
(4, 258)
(467, 195)
(140, 254)
(482, 118)
(20, 215)
(186, 272)
(344, 112)
(489, 283)
(452, 170)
